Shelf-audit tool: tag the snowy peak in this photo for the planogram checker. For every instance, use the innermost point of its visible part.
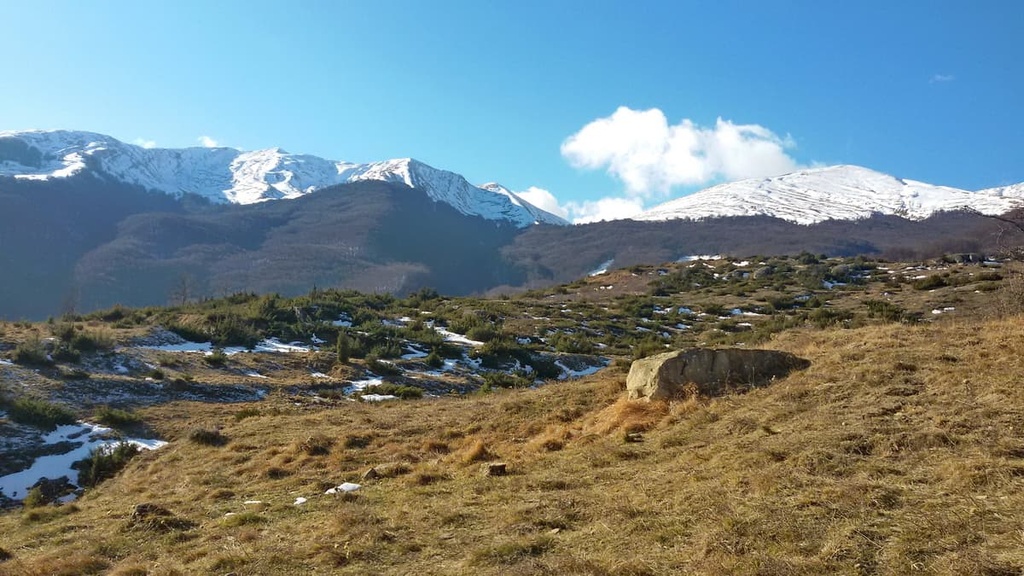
(1015, 191)
(832, 193)
(226, 175)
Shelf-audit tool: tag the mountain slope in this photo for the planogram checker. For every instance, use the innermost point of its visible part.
(226, 175)
(1015, 191)
(832, 193)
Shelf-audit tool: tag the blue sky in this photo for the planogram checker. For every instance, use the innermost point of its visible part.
(590, 100)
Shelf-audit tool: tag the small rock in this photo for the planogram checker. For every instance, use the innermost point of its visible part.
(634, 437)
(370, 474)
(495, 469)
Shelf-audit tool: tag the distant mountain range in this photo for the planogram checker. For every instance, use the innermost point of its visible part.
(87, 221)
(833, 193)
(226, 175)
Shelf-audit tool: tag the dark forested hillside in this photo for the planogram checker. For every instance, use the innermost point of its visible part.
(87, 243)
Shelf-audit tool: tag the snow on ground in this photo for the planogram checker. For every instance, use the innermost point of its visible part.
(86, 437)
(359, 385)
(183, 347)
(343, 487)
(568, 373)
(343, 322)
(6, 362)
(318, 375)
(254, 375)
(299, 501)
(457, 338)
(275, 345)
(602, 269)
(271, 345)
(695, 257)
(414, 353)
(378, 397)
(938, 311)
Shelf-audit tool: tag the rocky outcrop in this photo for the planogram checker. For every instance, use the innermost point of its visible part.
(707, 371)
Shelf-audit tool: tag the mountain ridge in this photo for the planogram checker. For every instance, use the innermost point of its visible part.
(842, 192)
(226, 175)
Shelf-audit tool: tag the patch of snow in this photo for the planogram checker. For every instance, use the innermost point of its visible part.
(275, 345)
(698, 257)
(6, 362)
(183, 347)
(86, 437)
(568, 373)
(254, 375)
(318, 375)
(414, 353)
(343, 488)
(457, 338)
(359, 385)
(343, 322)
(299, 501)
(316, 340)
(378, 397)
(602, 269)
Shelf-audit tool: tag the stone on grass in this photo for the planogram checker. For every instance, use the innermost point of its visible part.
(708, 372)
(495, 469)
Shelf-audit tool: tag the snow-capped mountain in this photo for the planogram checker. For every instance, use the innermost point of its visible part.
(226, 175)
(1014, 191)
(833, 193)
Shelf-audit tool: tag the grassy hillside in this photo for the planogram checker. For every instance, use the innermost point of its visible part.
(898, 451)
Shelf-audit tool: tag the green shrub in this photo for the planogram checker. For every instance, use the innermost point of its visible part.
(216, 358)
(649, 346)
(576, 343)
(505, 380)
(825, 317)
(403, 392)
(317, 445)
(246, 413)
(377, 366)
(482, 333)
(343, 348)
(97, 341)
(32, 352)
(884, 310)
(35, 498)
(929, 283)
(207, 437)
(117, 418)
(37, 412)
(434, 360)
(104, 463)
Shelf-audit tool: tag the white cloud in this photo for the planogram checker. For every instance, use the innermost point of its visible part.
(650, 156)
(941, 78)
(604, 209)
(145, 143)
(544, 200)
(207, 142)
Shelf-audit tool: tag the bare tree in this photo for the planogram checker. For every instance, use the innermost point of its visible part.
(183, 290)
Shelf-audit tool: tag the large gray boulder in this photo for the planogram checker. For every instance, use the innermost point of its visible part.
(711, 371)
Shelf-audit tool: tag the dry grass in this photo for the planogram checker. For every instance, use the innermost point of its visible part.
(898, 451)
